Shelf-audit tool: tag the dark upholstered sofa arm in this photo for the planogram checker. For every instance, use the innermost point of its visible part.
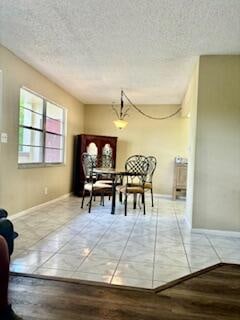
(7, 230)
(3, 213)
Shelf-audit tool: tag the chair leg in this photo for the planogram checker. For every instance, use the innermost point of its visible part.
(134, 201)
(83, 196)
(152, 196)
(90, 202)
(143, 199)
(125, 207)
(120, 193)
(103, 200)
(120, 197)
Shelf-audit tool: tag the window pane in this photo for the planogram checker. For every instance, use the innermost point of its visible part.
(30, 119)
(54, 111)
(41, 130)
(30, 154)
(53, 155)
(54, 126)
(54, 118)
(31, 101)
(30, 137)
(54, 141)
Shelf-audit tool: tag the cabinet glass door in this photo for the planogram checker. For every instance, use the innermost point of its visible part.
(107, 156)
(92, 149)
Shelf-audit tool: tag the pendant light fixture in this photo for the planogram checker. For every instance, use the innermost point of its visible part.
(121, 123)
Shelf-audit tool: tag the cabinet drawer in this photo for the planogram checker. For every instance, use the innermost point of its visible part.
(181, 176)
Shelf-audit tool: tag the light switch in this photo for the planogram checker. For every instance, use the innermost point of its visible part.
(4, 137)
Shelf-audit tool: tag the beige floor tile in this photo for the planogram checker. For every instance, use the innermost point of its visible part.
(135, 270)
(54, 272)
(167, 273)
(63, 262)
(66, 241)
(98, 265)
(91, 277)
(131, 282)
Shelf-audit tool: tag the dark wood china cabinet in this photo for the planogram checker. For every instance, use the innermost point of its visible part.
(101, 147)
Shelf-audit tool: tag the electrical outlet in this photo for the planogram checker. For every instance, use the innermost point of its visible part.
(4, 137)
(46, 190)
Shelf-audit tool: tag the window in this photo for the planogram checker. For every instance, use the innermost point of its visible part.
(41, 130)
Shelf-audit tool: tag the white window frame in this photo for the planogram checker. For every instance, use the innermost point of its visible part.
(44, 131)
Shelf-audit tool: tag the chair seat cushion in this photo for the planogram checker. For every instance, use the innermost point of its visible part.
(148, 185)
(105, 181)
(97, 186)
(131, 189)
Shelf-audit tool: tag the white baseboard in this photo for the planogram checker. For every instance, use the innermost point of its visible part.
(159, 195)
(163, 195)
(41, 205)
(223, 233)
(187, 222)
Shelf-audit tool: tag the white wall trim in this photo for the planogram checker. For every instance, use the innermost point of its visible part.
(162, 195)
(187, 222)
(41, 205)
(223, 233)
(158, 195)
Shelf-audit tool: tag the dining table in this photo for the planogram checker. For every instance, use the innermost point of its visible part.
(116, 175)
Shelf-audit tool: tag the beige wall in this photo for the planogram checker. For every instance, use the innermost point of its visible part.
(189, 108)
(216, 202)
(163, 139)
(24, 188)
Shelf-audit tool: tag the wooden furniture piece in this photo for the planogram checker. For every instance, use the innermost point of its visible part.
(180, 178)
(102, 147)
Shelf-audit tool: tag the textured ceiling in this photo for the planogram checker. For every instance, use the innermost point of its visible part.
(93, 48)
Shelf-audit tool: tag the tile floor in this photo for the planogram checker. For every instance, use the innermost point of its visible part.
(61, 239)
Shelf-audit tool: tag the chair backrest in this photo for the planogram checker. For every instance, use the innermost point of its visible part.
(106, 161)
(88, 163)
(138, 165)
(152, 166)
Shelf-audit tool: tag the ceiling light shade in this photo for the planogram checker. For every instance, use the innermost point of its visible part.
(120, 124)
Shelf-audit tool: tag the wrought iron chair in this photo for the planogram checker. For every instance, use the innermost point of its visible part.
(152, 167)
(91, 185)
(105, 161)
(137, 167)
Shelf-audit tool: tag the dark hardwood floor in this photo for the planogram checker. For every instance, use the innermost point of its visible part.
(212, 295)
